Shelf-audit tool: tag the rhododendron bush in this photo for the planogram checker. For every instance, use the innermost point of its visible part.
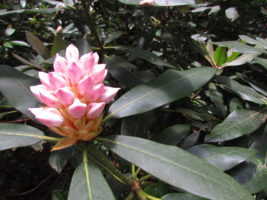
(133, 99)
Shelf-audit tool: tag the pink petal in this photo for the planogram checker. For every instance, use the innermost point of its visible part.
(72, 53)
(147, 2)
(50, 117)
(45, 80)
(77, 109)
(109, 94)
(99, 73)
(97, 92)
(96, 56)
(57, 80)
(65, 96)
(87, 62)
(95, 110)
(48, 98)
(85, 86)
(74, 72)
(36, 90)
(60, 64)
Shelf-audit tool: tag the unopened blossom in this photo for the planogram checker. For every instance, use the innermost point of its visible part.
(74, 97)
(147, 2)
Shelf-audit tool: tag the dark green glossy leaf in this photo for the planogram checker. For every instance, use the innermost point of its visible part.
(170, 86)
(58, 45)
(14, 85)
(88, 183)
(162, 2)
(222, 157)
(59, 159)
(241, 60)
(239, 47)
(83, 46)
(137, 125)
(181, 196)
(244, 92)
(37, 45)
(261, 61)
(144, 54)
(19, 11)
(18, 135)
(220, 55)
(173, 134)
(238, 123)
(177, 167)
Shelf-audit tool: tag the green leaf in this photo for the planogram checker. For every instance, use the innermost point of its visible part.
(37, 45)
(169, 87)
(59, 159)
(244, 92)
(144, 54)
(58, 45)
(113, 36)
(239, 47)
(137, 125)
(223, 158)
(261, 61)
(161, 2)
(177, 167)
(173, 134)
(19, 135)
(19, 11)
(83, 46)
(14, 85)
(238, 123)
(241, 60)
(181, 196)
(233, 56)
(220, 56)
(88, 183)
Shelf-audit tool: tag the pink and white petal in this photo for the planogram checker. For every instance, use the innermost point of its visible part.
(99, 73)
(57, 80)
(65, 96)
(87, 62)
(109, 94)
(97, 92)
(74, 72)
(60, 64)
(95, 110)
(72, 53)
(48, 98)
(45, 80)
(50, 117)
(85, 86)
(96, 56)
(77, 109)
(36, 90)
(36, 111)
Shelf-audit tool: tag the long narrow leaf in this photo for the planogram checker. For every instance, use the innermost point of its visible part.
(177, 167)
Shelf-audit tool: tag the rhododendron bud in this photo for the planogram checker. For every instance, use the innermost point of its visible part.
(50, 117)
(77, 109)
(74, 96)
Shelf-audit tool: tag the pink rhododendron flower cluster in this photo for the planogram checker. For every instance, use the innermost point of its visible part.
(74, 96)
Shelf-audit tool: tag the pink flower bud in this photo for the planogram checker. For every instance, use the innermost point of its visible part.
(96, 56)
(85, 86)
(56, 80)
(72, 53)
(87, 61)
(45, 80)
(74, 72)
(98, 91)
(50, 117)
(99, 73)
(36, 91)
(95, 110)
(60, 64)
(65, 96)
(77, 109)
(48, 98)
(109, 93)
